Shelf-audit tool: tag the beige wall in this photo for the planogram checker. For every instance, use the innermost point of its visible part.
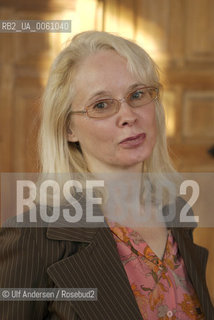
(179, 35)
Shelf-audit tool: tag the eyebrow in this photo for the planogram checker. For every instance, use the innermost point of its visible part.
(103, 92)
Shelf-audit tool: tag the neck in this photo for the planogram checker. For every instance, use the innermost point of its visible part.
(123, 192)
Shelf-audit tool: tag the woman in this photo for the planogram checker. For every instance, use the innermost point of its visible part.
(102, 115)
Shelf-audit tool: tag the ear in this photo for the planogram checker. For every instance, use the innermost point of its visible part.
(71, 136)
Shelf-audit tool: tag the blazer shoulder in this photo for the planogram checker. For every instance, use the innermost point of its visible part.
(25, 255)
(21, 266)
(32, 236)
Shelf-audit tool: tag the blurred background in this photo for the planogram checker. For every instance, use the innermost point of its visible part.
(178, 34)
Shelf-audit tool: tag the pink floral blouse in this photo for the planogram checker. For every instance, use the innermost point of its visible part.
(161, 287)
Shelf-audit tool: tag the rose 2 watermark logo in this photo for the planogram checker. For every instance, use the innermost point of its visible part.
(77, 201)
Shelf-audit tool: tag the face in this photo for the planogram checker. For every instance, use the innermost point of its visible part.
(101, 76)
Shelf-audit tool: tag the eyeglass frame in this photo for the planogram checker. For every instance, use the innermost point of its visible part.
(124, 99)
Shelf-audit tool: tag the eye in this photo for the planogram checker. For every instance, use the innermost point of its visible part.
(101, 105)
(137, 95)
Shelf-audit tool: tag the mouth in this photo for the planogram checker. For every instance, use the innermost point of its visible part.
(134, 140)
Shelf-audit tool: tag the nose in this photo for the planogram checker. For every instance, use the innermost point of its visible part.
(126, 114)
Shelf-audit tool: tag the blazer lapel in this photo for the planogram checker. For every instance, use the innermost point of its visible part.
(97, 265)
(195, 259)
(194, 256)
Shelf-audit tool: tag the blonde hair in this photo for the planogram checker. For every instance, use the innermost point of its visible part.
(57, 155)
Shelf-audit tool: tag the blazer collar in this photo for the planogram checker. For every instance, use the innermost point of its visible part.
(84, 232)
(72, 234)
(80, 231)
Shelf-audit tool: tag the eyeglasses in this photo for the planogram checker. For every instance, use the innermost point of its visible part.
(105, 108)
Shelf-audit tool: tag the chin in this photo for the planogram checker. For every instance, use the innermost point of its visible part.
(137, 159)
(130, 163)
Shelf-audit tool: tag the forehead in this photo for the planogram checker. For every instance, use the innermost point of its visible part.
(103, 59)
(104, 70)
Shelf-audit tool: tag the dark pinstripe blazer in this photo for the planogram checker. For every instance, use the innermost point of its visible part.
(79, 257)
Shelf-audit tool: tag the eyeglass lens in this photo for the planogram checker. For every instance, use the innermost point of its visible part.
(107, 107)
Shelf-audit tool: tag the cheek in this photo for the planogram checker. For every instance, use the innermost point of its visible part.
(151, 127)
(91, 132)
(149, 118)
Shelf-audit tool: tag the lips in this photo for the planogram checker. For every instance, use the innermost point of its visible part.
(133, 141)
(141, 135)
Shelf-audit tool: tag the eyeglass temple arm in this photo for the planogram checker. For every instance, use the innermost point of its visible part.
(82, 111)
